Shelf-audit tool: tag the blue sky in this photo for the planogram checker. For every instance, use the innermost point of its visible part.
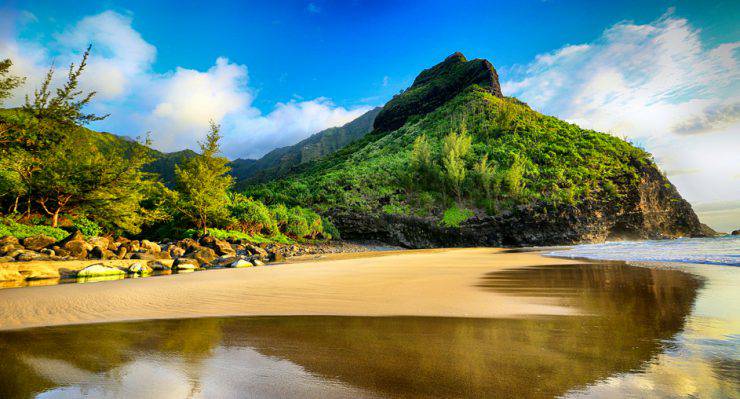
(663, 74)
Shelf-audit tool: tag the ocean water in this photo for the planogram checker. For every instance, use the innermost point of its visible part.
(723, 251)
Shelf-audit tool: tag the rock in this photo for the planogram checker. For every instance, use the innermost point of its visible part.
(176, 252)
(101, 242)
(257, 262)
(241, 263)
(143, 256)
(8, 240)
(133, 246)
(185, 264)
(99, 252)
(113, 246)
(10, 274)
(26, 256)
(255, 250)
(99, 270)
(39, 273)
(48, 252)
(6, 259)
(38, 242)
(223, 261)
(157, 265)
(74, 236)
(735, 232)
(223, 248)
(139, 268)
(434, 87)
(76, 249)
(274, 256)
(5, 249)
(150, 247)
(121, 252)
(203, 255)
(15, 253)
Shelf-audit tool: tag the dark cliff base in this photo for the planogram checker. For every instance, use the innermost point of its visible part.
(653, 209)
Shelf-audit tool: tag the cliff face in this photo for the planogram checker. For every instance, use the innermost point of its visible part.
(434, 87)
(653, 209)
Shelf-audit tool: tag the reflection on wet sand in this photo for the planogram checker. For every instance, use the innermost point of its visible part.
(629, 313)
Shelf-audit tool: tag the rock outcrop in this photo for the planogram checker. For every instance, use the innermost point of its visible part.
(652, 210)
(435, 86)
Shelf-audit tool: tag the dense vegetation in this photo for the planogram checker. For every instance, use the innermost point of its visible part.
(477, 151)
(55, 173)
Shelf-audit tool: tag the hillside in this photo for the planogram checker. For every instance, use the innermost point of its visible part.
(280, 161)
(452, 162)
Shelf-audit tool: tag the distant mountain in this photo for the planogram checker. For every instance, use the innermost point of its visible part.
(452, 162)
(283, 160)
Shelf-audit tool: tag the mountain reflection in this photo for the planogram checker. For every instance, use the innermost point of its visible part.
(629, 315)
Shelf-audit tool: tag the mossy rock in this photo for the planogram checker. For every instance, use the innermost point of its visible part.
(99, 270)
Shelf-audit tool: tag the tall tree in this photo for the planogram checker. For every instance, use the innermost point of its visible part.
(455, 149)
(202, 183)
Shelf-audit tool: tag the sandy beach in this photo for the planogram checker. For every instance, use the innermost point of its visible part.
(406, 283)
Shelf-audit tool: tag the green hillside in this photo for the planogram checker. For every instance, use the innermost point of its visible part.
(477, 159)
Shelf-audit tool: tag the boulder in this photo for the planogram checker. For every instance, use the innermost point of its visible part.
(101, 242)
(26, 256)
(74, 236)
(176, 252)
(735, 232)
(39, 273)
(48, 252)
(241, 263)
(185, 264)
(255, 250)
(5, 249)
(99, 252)
(203, 255)
(223, 261)
(5, 240)
(151, 247)
(99, 270)
(157, 265)
(139, 268)
(76, 249)
(257, 262)
(35, 243)
(275, 256)
(223, 248)
(143, 256)
(121, 252)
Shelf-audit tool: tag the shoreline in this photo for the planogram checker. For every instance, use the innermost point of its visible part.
(437, 282)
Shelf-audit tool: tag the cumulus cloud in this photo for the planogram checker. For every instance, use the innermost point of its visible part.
(175, 106)
(657, 84)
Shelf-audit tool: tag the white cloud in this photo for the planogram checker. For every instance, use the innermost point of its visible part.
(176, 105)
(656, 84)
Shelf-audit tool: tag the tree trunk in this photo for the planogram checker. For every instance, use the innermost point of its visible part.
(55, 218)
(15, 204)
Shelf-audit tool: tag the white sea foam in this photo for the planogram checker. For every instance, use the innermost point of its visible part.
(714, 251)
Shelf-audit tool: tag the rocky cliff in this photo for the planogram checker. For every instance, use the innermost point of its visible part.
(434, 87)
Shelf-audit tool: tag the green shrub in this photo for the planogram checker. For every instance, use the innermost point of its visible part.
(87, 227)
(330, 231)
(297, 225)
(453, 216)
(314, 222)
(11, 228)
(251, 216)
(279, 214)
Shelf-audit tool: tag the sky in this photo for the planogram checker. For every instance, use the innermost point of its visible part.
(662, 74)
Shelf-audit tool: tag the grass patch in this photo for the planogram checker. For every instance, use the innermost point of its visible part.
(20, 231)
(454, 216)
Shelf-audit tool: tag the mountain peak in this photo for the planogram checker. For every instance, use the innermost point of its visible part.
(435, 86)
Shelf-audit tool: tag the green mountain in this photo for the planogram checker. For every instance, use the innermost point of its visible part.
(281, 161)
(451, 161)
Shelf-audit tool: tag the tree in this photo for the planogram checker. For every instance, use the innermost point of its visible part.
(78, 176)
(513, 178)
(251, 216)
(8, 82)
(487, 175)
(202, 183)
(422, 162)
(454, 151)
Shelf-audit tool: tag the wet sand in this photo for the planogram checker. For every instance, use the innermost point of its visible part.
(440, 283)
